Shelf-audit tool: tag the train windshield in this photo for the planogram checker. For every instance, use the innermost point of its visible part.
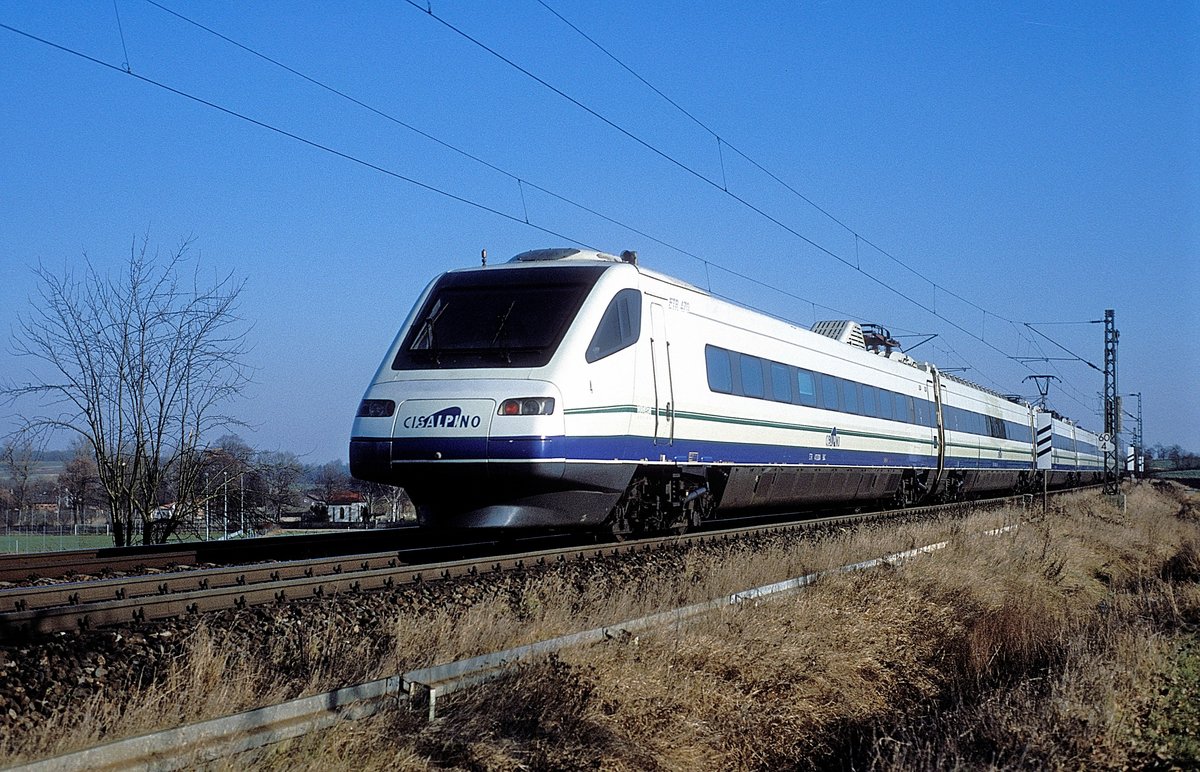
(497, 318)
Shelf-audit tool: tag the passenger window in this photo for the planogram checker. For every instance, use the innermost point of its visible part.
(922, 416)
(886, 402)
(850, 400)
(870, 406)
(619, 327)
(752, 376)
(806, 389)
(781, 383)
(829, 391)
(720, 374)
(912, 410)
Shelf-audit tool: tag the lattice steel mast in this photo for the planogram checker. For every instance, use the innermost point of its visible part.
(1112, 407)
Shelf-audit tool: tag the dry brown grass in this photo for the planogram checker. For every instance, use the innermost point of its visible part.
(1030, 649)
(1037, 649)
(201, 685)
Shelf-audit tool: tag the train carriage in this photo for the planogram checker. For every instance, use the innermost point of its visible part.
(576, 389)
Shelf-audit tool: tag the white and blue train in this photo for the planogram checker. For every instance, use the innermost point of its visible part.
(569, 389)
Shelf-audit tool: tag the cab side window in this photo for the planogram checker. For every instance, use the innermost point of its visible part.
(619, 327)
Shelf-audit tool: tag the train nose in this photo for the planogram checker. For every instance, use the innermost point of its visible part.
(416, 429)
(403, 428)
(435, 429)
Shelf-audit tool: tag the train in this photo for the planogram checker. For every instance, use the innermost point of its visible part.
(574, 389)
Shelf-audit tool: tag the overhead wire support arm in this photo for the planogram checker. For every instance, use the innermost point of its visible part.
(1042, 382)
(924, 339)
(1075, 356)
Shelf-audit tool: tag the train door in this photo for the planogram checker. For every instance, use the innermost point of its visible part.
(664, 386)
(939, 425)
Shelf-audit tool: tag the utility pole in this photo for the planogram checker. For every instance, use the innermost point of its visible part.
(1112, 408)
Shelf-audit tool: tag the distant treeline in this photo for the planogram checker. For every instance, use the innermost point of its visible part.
(52, 456)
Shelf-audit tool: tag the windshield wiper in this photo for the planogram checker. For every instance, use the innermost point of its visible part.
(500, 331)
(503, 321)
(423, 340)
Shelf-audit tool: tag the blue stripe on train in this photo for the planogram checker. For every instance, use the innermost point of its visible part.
(637, 449)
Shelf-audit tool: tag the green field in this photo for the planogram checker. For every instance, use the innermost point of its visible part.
(36, 542)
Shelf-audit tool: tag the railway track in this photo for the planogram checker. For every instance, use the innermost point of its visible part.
(229, 736)
(25, 611)
(29, 567)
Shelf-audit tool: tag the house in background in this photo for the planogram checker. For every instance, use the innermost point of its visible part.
(346, 507)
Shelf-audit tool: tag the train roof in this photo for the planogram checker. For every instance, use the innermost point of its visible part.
(572, 255)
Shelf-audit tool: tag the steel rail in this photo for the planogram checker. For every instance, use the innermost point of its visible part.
(39, 565)
(91, 605)
(46, 565)
(200, 579)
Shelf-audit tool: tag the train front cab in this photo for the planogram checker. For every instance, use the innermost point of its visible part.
(468, 410)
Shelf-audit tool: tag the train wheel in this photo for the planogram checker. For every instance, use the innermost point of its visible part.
(906, 494)
(657, 503)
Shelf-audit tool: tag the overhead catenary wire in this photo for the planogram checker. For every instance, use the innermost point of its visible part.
(428, 11)
(459, 198)
(521, 181)
(723, 186)
(724, 142)
(522, 220)
(291, 135)
(121, 32)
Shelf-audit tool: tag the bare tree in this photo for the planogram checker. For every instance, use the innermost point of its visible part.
(17, 457)
(277, 473)
(386, 501)
(141, 364)
(330, 478)
(79, 482)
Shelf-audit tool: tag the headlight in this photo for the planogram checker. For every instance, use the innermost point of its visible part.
(376, 408)
(527, 406)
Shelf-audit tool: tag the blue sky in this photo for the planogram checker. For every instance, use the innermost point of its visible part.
(1041, 160)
